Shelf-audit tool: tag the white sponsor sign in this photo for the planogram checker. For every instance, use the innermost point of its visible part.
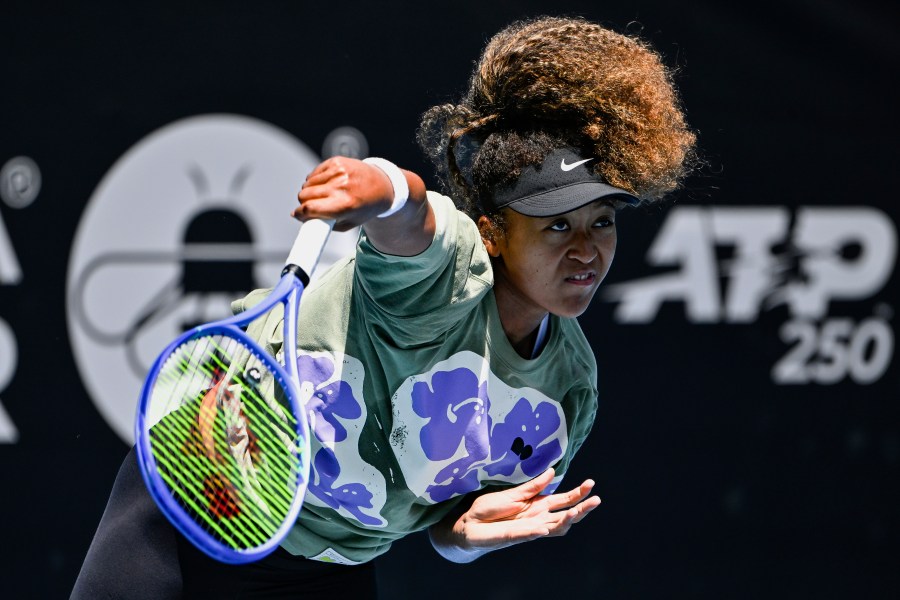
(191, 217)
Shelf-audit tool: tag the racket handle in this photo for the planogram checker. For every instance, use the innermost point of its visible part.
(308, 246)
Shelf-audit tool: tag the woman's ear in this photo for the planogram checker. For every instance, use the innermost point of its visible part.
(490, 235)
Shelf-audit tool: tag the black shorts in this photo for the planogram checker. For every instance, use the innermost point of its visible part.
(136, 554)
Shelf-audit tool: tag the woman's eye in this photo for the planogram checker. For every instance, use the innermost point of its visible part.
(604, 222)
(559, 226)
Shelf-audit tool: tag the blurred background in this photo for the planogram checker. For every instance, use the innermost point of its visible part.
(747, 443)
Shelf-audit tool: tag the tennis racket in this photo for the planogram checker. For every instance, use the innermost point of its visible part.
(222, 439)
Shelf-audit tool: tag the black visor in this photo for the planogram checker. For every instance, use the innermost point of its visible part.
(562, 183)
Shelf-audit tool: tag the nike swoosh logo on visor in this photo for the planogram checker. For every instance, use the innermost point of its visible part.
(566, 167)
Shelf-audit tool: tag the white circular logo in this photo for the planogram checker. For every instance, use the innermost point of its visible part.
(192, 217)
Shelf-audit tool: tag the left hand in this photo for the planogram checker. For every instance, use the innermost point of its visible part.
(521, 514)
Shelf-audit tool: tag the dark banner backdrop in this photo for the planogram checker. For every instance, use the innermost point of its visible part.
(748, 439)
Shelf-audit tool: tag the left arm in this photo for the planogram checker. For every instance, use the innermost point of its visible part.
(500, 519)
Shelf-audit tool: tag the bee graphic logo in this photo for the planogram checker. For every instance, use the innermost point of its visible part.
(190, 218)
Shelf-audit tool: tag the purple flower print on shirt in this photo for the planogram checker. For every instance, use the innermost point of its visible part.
(458, 427)
(349, 496)
(328, 401)
(331, 402)
(517, 440)
(456, 406)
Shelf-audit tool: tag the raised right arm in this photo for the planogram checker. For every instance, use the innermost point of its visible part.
(354, 193)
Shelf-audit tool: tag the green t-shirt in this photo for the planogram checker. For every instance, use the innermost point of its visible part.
(415, 395)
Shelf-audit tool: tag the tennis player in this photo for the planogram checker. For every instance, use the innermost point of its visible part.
(448, 383)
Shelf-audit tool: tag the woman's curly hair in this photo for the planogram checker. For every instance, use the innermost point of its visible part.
(550, 82)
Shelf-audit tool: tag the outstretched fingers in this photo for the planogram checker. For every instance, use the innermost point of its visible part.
(566, 509)
(523, 513)
(572, 497)
(554, 522)
(533, 487)
(575, 514)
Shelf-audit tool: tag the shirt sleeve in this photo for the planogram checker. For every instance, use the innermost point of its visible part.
(423, 296)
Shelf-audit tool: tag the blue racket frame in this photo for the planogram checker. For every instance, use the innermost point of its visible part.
(286, 292)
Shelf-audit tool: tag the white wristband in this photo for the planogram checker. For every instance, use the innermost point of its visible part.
(398, 180)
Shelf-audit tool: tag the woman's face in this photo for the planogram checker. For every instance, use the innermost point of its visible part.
(554, 264)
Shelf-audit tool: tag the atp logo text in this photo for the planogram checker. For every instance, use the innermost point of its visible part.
(732, 263)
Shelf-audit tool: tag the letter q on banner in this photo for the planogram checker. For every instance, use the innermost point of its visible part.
(192, 217)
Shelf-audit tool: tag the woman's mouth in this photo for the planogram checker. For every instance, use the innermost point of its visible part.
(582, 279)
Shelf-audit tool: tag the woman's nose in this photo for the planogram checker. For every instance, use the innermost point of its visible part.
(583, 249)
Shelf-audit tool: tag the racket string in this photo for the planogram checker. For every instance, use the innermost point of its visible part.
(228, 452)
